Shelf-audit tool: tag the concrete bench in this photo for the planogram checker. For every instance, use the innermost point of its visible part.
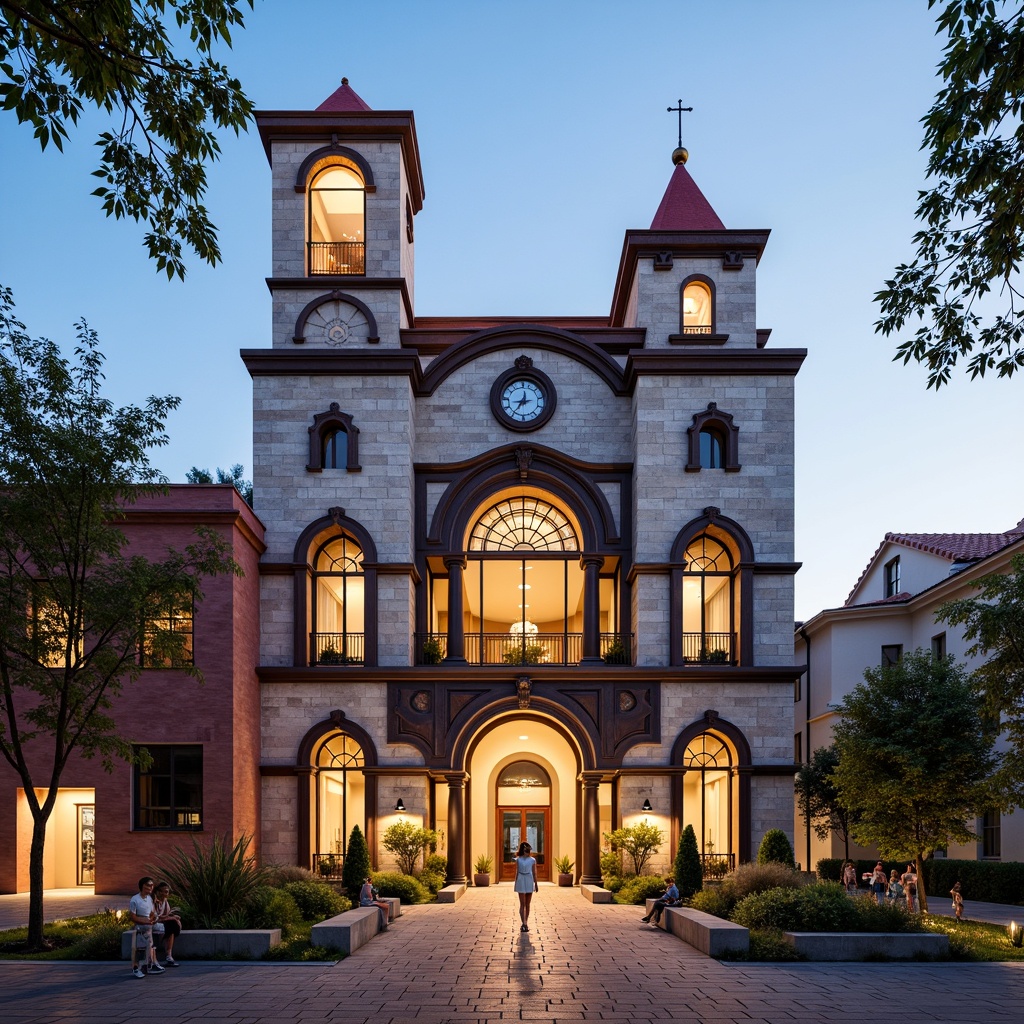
(395, 903)
(196, 944)
(451, 893)
(859, 945)
(347, 931)
(712, 935)
(596, 893)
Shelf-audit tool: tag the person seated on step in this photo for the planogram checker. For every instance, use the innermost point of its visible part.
(368, 898)
(669, 898)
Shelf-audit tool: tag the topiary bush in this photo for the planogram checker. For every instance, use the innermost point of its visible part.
(689, 872)
(639, 888)
(356, 868)
(317, 901)
(776, 848)
(405, 887)
(773, 908)
(269, 907)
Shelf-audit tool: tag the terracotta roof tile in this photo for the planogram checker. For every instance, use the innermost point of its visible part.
(684, 208)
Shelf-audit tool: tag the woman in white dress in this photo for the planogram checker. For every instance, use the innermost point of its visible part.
(526, 883)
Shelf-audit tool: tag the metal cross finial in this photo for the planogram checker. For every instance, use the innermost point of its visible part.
(679, 110)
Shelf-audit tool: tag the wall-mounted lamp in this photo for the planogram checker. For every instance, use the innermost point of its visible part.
(400, 807)
(647, 806)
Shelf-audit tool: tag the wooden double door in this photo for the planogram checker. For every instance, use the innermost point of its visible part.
(524, 824)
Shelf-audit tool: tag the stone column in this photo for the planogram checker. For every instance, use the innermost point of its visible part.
(591, 831)
(456, 827)
(591, 607)
(455, 564)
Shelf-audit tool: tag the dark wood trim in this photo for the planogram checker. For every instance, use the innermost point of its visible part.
(266, 362)
(326, 153)
(698, 340)
(648, 569)
(722, 363)
(431, 341)
(324, 423)
(722, 423)
(394, 569)
(774, 568)
(299, 338)
(277, 770)
(318, 282)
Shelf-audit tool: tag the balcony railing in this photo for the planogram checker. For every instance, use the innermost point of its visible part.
(337, 257)
(328, 865)
(523, 649)
(717, 865)
(709, 648)
(336, 648)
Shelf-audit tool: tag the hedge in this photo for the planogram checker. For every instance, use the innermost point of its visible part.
(985, 880)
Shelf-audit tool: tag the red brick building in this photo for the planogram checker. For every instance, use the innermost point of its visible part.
(204, 737)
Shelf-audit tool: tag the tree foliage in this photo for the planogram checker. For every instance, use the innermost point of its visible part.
(75, 607)
(235, 475)
(994, 621)
(356, 868)
(972, 238)
(915, 763)
(818, 799)
(407, 841)
(641, 841)
(776, 848)
(118, 56)
(688, 872)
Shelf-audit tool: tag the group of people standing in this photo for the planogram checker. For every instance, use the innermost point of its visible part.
(154, 919)
(893, 888)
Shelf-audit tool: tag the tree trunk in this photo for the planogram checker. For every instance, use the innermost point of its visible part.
(922, 896)
(36, 939)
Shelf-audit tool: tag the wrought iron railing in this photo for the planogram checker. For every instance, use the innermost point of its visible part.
(717, 865)
(328, 865)
(523, 649)
(336, 648)
(708, 648)
(337, 258)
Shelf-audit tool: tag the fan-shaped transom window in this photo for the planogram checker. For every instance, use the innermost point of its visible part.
(341, 554)
(523, 524)
(340, 751)
(524, 775)
(705, 554)
(707, 751)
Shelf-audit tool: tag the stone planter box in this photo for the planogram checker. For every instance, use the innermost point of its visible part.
(197, 944)
(859, 945)
(347, 931)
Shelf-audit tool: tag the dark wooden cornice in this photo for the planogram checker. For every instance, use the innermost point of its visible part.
(328, 283)
(351, 125)
(783, 362)
(432, 341)
(272, 362)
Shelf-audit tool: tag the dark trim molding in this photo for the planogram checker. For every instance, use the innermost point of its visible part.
(299, 337)
(341, 281)
(723, 363)
(710, 285)
(774, 568)
(698, 340)
(323, 424)
(335, 150)
(721, 423)
(267, 362)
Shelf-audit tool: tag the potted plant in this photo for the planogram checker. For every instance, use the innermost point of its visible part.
(432, 653)
(483, 866)
(564, 868)
(615, 653)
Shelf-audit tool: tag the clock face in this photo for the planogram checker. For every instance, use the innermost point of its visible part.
(523, 400)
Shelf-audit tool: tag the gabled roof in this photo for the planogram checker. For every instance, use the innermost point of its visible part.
(683, 207)
(344, 99)
(954, 547)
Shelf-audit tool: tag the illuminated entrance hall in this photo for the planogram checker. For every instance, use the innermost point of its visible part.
(524, 577)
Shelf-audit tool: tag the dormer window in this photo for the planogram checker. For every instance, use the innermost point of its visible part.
(697, 308)
(337, 222)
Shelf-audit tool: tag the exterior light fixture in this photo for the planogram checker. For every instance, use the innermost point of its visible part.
(647, 806)
(400, 806)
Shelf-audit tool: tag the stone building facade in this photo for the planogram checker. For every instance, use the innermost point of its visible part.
(524, 579)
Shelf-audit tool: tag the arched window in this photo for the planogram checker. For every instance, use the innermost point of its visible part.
(333, 442)
(339, 596)
(697, 307)
(707, 800)
(713, 441)
(708, 605)
(712, 448)
(335, 449)
(337, 221)
(523, 523)
(341, 800)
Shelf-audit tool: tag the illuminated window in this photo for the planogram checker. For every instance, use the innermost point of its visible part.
(341, 794)
(49, 630)
(523, 524)
(697, 308)
(167, 636)
(707, 796)
(169, 793)
(337, 221)
(708, 603)
(339, 590)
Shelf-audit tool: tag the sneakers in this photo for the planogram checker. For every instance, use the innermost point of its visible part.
(139, 972)
(171, 962)
(155, 968)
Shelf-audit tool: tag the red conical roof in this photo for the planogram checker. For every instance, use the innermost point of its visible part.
(684, 208)
(344, 99)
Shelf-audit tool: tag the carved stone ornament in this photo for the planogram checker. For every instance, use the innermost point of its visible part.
(334, 323)
(712, 512)
(626, 700)
(420, 700)
(523, 363)
(663, 260)
(711, 717)
(524, 457)
(732, 260)
(337, 513)
(523, 686)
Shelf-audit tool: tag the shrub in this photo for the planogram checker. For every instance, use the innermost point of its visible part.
(688, 871)
(407, 841)
(712, 901)
(316, 900)
(748, 878)
(435, 862)
(773, 908)
(641, 841)
(770, 945)
(268, 907)
(885, 917)
(775, 848)
(611, 866)
(405, 887)
(433, 880)
(356, 868)
(640, 888)
(214, 881)
(280, 874)
(103, 939)
(825, 907)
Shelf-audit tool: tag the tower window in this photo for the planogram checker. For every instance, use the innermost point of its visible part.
(697, 308)
(337, 222)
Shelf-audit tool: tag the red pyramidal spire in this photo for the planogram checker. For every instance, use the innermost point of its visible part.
(344, 99)
(683, 207)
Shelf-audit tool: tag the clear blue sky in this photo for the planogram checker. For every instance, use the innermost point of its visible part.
(544, 135)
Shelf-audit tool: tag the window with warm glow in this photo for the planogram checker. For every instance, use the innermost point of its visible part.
(707, 794)
(696, 308)
(708, 602)
(337, 222)
(167, 636)
(338, 603)
(169, 793)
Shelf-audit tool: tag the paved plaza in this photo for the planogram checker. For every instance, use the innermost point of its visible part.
(469, 962)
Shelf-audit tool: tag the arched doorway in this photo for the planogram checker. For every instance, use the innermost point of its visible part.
(708, 800)
(523, 814)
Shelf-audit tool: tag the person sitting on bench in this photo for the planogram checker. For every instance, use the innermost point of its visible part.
(669, 898)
